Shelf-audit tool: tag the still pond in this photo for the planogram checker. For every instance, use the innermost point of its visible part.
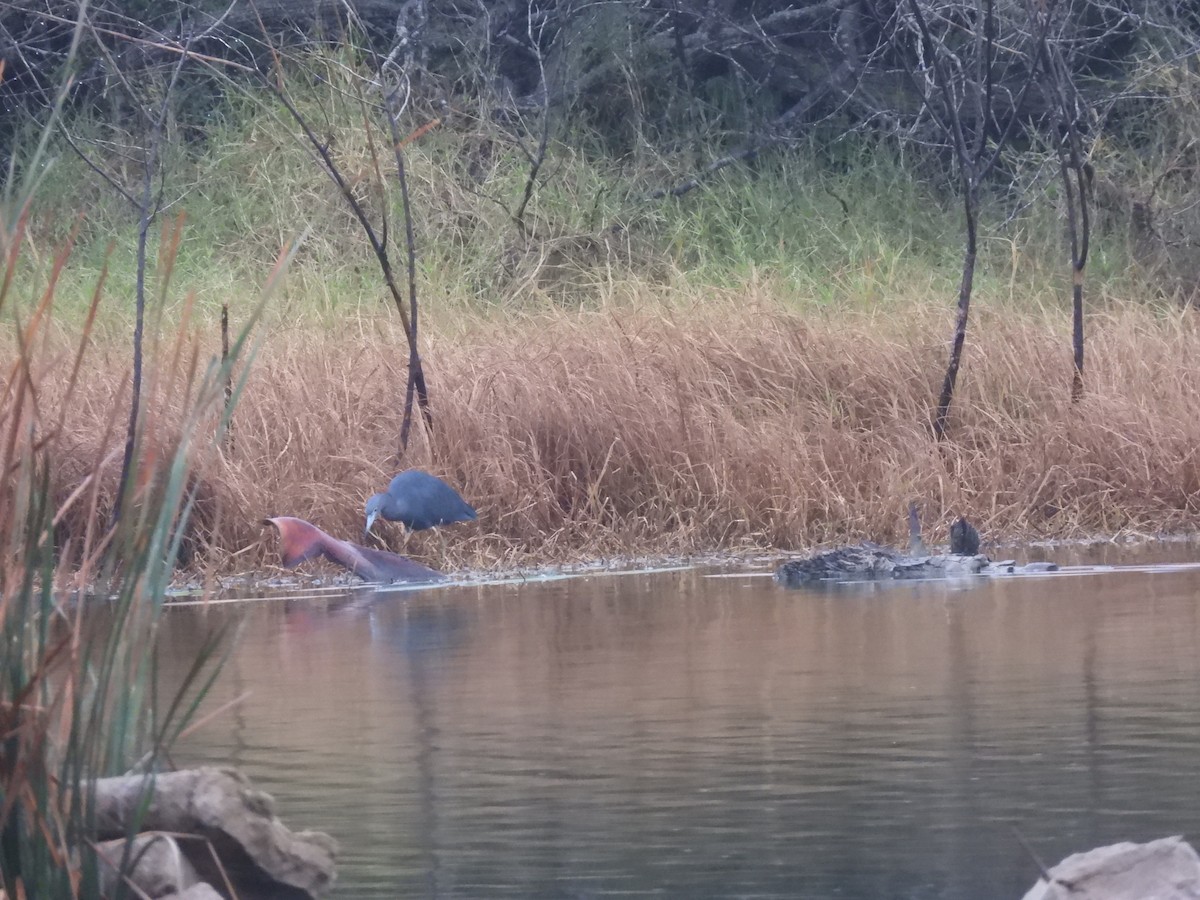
(705, 733)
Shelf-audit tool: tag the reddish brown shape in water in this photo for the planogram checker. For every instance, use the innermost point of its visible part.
(300, 541)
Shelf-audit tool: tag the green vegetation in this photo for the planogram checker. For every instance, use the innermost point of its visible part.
(847, 225)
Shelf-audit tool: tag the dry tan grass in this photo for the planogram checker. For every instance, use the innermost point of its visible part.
(584, 434)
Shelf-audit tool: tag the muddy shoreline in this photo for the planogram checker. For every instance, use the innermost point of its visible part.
(325, 577)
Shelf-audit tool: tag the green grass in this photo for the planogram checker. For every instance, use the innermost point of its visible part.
(852, 226)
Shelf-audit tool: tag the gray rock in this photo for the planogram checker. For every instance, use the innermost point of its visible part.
(159, 867)
(1166, 869)
(201, 891)
(257, 852)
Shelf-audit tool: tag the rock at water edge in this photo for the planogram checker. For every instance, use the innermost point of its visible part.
(261, 856)
(1166, 869)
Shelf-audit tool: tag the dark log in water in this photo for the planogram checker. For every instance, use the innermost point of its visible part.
(871, 561)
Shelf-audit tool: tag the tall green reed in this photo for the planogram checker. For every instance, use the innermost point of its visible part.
(81, 598)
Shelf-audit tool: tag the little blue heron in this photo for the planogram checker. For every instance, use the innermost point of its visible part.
(419, 500)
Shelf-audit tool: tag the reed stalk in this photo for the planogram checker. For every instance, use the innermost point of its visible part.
(80, 692)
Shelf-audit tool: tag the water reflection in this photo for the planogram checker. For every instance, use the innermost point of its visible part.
(684, 736)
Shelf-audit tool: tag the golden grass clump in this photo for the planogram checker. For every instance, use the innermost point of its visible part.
(728, 426)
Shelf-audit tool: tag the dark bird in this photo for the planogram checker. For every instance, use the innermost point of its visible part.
(300, 541)
(964, 539)
(419, 500)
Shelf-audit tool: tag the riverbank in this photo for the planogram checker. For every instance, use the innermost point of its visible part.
(669, 431)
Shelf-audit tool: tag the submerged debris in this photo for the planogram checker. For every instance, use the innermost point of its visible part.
(872, 561)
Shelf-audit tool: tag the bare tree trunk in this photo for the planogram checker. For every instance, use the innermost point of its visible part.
(149, 206)
(946, 91)
(1077, 229)
(971, 210)
(379, 245)
(1067, 106)
(228, 376)
(415, 384)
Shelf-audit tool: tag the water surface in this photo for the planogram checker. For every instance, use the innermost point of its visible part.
(681, 735)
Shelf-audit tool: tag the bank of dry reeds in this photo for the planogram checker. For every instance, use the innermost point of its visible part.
(730, 425)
